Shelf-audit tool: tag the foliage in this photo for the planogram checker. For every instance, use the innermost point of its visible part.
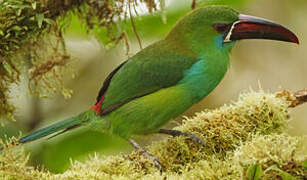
(247, 132)
(32, 42)
(254, 172)
(23, 24)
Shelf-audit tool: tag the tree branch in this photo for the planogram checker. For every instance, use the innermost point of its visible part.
(297, 98)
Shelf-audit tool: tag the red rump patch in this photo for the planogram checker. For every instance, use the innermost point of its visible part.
(97, 106)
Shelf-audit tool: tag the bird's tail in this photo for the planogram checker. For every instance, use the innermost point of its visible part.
(58, 128)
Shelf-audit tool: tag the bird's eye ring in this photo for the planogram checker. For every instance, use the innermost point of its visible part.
(222, 27)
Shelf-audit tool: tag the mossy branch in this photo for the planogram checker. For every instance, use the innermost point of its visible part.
(247, 132)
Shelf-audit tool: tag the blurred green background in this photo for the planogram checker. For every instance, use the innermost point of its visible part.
(274, 65)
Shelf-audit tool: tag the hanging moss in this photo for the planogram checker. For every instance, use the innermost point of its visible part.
(31, 40)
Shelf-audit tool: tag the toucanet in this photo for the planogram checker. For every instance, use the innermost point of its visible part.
(166, 78)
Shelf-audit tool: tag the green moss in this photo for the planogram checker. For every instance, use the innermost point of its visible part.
(247, 132)
(32, 42)
(23, 26)
(225, 128)
(280, 150)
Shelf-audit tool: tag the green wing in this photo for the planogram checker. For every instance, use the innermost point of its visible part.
(158, 66)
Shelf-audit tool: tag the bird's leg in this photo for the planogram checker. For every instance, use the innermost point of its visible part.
(175, 133)
(146, 154)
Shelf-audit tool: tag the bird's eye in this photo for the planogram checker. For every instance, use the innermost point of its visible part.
(222, 27)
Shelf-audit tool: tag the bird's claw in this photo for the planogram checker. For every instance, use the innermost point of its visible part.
(175, 133)
(152, 157)
(157, 164)
(196, 139)
(146, 154)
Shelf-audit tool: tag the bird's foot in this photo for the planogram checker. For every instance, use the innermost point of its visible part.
(175, 133)
(146, 154)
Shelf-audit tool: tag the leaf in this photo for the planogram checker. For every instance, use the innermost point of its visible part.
(284, 175)
(19, 11)
(49, 21)
(34, 5)
(25, 28)
(7, 35)
(7, 67)
(304, 164)
(16, 28)
(21, 6)
(40, 19)
(254, 172)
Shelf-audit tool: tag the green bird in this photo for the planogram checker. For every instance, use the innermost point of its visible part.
(165, 79)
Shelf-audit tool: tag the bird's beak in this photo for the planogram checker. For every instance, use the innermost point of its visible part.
(249, 27)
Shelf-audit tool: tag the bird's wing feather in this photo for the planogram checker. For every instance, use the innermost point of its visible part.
(158, 66)
(106, 82)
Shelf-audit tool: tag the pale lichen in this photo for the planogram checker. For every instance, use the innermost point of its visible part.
(281, 150)
(249, 131)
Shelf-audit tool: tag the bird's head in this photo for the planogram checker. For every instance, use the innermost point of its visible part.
(221, 26)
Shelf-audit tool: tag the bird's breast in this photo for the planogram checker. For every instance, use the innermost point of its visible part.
(204, 76)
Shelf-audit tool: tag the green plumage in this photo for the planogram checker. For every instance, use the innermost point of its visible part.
(164, 63)
(163, 80)
(64, 125)
(169, 76)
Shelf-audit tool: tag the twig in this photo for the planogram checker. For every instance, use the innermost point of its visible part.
(133, 26)
(301, 96)
(193, 5)
(297, 98)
